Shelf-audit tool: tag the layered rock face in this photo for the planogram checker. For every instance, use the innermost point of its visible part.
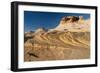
(74, 24)
(69, 40)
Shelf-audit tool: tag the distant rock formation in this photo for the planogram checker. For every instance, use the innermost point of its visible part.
(40, 30)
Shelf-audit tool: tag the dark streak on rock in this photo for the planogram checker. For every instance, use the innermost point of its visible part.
(32, 54)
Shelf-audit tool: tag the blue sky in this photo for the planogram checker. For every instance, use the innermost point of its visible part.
(34, 20)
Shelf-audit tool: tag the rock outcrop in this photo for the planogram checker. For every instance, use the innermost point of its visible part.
(73, 24)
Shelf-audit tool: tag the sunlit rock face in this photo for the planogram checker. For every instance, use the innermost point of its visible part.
(74, 24)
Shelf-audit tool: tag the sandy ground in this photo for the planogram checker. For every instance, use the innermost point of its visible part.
(43, 54)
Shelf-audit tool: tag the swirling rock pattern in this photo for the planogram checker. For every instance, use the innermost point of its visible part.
(58, 46)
